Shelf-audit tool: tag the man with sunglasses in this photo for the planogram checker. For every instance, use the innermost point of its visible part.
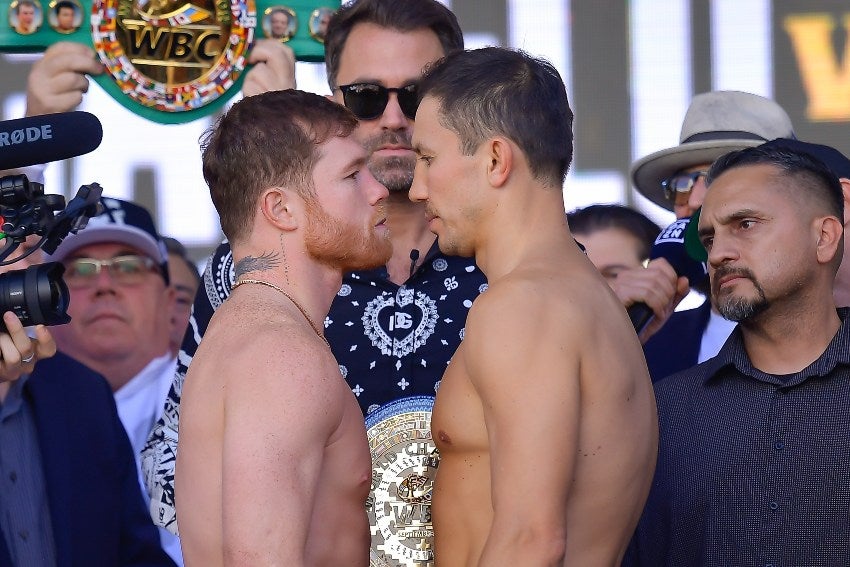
(674, 178)
(120, 305)
(409, 315)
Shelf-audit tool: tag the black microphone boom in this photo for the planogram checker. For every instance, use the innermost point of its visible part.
(669, 245)
(46, 138)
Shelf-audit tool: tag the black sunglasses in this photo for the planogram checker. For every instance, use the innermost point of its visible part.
(367, 101)
(680, 184)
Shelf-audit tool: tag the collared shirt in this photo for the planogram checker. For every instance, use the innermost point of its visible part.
(390, 341)
(753, 468)
(140, 403)
(716, 333)
(24, 511)
(140, 400)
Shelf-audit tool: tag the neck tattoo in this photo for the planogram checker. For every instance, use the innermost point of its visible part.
(290, 298)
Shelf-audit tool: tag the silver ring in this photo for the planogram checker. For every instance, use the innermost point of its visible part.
(28, 359)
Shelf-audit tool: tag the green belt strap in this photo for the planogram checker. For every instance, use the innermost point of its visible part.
(170, 61)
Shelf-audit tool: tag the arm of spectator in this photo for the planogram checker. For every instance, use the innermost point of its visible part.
(19, 352)
(657, 286)
(274, 68)
(58, 80)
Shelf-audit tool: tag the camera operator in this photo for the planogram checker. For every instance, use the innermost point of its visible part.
(69, 491)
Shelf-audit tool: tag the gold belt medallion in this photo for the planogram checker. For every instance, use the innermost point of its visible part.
(404, 463)
(173, 55)
(170, 61)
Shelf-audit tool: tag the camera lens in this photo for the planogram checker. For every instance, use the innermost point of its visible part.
(37, 295)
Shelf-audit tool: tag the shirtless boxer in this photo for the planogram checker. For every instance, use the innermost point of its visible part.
(545, 419)
(274, 466)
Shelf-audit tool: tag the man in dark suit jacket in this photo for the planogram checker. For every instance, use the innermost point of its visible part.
(97, 513)
(676, 346)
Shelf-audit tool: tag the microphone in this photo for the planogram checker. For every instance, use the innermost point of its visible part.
(414, 255)
(46, 138)
(670, 245)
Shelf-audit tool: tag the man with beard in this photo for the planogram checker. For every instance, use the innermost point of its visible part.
(273, 466)
(392, 329)
(753, 463)
(715, 123)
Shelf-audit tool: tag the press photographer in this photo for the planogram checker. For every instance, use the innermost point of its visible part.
(70, 492)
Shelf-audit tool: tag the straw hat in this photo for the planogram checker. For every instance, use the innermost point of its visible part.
(715, 123)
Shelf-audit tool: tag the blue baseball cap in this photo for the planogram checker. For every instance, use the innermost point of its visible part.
(123, 222)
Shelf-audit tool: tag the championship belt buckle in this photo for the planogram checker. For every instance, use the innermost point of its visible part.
(404, 464)
(170, 61)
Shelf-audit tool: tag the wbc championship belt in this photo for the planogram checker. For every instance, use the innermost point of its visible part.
(404, 463)
(170, 61)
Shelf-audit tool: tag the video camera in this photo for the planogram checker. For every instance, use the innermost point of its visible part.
(38, 294)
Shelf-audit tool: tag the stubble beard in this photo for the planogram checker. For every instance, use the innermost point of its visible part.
(737, 308)
(344, 246)
(395, 173)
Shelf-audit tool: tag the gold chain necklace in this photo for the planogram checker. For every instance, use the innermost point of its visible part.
(290, 298)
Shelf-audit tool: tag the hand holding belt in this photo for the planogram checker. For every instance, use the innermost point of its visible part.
(170, 61)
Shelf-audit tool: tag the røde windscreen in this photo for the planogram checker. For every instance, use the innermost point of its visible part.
(46, 138)
(669, 245)
(37, 294)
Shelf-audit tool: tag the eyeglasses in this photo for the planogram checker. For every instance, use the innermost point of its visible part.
(130, 269)
(678, 187)
(367, 101)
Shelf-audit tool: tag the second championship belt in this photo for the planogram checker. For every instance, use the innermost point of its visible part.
(404, 463)
(170, 61)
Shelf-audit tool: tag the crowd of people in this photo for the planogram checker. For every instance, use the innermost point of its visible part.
(407, 237)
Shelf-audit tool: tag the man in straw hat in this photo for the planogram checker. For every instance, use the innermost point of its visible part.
(674, 178)
(715, 123)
